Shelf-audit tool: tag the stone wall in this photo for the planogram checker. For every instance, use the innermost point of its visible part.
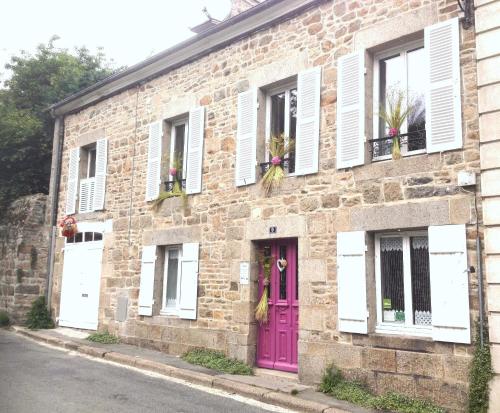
(24, 239)
(412, 192)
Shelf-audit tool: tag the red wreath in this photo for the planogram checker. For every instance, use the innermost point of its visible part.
(68, 226)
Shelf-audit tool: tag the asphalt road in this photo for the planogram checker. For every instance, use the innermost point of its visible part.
(35, 378)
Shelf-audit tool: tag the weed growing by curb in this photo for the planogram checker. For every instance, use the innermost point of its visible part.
(4, 319)
(103, 338)
(334, 384)
(216, 360)
(39, 315)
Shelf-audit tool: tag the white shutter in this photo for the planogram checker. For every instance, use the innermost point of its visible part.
(308, 118)
(189, 281)
(351, 282)
(100, 174)
(246, 144)
(449, 283)
(146, 287)
(351, 110)
(153, 178)
(443, 115)
(87, 195)
(72, 183)
(195, 150)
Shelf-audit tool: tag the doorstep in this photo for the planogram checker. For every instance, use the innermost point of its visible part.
(267, 386)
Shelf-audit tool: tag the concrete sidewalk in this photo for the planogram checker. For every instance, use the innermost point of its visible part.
(265, 386)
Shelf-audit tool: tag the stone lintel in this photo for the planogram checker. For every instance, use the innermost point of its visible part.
(399, 216)
(90, 137)
(286, 227)
(172, 236)
(391, 29)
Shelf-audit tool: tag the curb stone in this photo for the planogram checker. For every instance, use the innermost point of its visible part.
(254, 392)
(294, 402)
(240, 388)
(91, 351)
(120, 358)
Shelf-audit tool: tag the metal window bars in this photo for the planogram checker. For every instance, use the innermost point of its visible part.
(408, 142)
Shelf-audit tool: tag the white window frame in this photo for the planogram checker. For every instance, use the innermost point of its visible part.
(183, 121)
(408, 328)
(282, 88)
(402, 51)
(164, 309)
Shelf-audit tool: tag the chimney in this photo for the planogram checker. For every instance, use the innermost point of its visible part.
(239, 6)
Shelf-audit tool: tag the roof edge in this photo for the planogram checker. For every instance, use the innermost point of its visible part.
(254, 19)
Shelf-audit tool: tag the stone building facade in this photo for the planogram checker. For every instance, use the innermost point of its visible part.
(488, 79)
(347, 197)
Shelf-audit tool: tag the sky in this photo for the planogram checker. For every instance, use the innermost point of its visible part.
(128, 31)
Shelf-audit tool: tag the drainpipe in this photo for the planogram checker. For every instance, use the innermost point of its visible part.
(479, 274)
(55, 178)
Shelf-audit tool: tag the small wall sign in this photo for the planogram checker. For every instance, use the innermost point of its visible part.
(244, 272)
(273, 230)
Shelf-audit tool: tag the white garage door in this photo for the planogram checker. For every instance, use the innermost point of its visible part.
(81, 279)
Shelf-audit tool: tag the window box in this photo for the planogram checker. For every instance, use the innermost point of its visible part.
(264, 166)
(412, 143)
(169, 185)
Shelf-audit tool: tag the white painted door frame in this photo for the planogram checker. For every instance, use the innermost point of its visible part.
(81, 285)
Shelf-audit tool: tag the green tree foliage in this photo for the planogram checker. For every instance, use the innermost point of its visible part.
(26, 127)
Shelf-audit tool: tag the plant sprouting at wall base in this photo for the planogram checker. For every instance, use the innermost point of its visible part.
(278, 147)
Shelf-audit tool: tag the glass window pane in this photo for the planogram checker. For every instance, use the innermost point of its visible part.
(392, 277)
(267, 253)
(92, 158)
(78, 237)
(391, 72)
(88, 236)
(172, 275)
(282, 274)
(416, 94)
(420, 281)
(97, 236)
(278, 114)
(178, 161)
(293, 129)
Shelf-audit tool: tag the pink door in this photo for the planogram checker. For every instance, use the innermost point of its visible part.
(277, 343)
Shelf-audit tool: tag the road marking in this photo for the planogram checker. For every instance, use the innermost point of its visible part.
(209, 390)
